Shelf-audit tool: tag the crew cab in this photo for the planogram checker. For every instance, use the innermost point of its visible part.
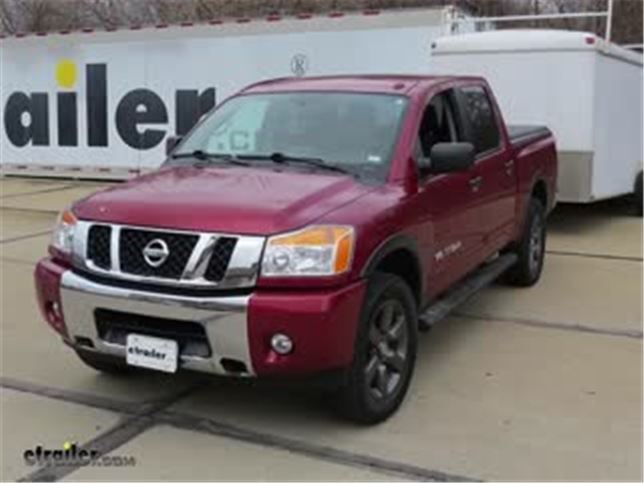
(306, 226)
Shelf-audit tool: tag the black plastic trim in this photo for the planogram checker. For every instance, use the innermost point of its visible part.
(390, 245)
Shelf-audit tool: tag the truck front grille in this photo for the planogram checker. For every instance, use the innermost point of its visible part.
(220, 259)
(196, 260)
(98, 246)
(133, 242)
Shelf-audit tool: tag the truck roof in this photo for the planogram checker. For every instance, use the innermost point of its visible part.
(375, 83)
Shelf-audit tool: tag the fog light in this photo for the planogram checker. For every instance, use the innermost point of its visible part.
(281, 344)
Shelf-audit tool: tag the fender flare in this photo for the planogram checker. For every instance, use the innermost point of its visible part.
(540, 179)
(389, 246)
(524, 210)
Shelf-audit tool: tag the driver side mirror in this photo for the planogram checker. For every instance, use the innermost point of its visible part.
(451, 157)
(171, 142)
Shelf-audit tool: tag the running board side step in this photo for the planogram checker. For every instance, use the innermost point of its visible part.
(482, 277)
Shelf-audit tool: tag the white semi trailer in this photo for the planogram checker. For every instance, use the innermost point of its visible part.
(586, 90)
(101, 103)
(92, 104)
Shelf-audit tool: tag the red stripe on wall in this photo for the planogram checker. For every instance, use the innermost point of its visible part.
(270, 18)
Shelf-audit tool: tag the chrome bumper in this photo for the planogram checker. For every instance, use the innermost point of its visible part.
(223, 318)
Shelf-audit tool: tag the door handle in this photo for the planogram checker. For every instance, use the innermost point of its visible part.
(509, 167)
(475, 183)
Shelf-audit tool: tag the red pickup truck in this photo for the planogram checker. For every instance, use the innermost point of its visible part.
(306, 226)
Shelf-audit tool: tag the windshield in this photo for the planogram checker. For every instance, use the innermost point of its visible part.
(354, 131)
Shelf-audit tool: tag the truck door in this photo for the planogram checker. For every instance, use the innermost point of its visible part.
(446, 201)
(493, 181)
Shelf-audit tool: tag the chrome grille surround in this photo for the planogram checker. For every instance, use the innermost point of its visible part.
(242, 270)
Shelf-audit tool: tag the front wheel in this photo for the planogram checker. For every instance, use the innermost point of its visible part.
(531, 248)
(385, 352)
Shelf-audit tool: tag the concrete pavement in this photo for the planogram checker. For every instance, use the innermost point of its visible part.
(520, 384)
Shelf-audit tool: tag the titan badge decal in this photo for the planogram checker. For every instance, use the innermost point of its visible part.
(447, 251)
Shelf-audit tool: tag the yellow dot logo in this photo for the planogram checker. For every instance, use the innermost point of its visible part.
(67, 445)
(66, 73)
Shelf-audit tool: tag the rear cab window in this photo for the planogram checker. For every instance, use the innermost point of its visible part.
(439, 124)
(479, 111)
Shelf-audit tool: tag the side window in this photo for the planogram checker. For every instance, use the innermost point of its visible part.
(438, 125)
(480, 114)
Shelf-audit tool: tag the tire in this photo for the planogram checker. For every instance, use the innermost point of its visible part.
(104, 363)
(638, 194)
(531, 248)
(383, 361)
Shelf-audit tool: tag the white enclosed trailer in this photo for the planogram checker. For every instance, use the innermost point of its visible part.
(586, 90)
(101, 103)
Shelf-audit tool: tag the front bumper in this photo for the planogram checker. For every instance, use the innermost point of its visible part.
(238, 329)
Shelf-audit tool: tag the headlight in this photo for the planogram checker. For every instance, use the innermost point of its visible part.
(321, 250)
(63, 236)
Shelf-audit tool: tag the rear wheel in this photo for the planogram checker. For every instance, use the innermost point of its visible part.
(104, 363)
(384, 354)
(531, 248)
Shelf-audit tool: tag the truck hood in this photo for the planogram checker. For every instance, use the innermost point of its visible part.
(240, 200)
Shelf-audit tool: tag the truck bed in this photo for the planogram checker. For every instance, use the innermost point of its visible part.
(522, 134)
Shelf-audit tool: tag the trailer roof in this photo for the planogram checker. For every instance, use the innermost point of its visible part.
(530, 40)
(377, 83)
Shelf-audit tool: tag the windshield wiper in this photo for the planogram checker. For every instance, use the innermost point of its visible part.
(282, 158)
(205, 156)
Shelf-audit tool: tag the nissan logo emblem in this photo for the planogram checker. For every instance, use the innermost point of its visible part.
(156, 252)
